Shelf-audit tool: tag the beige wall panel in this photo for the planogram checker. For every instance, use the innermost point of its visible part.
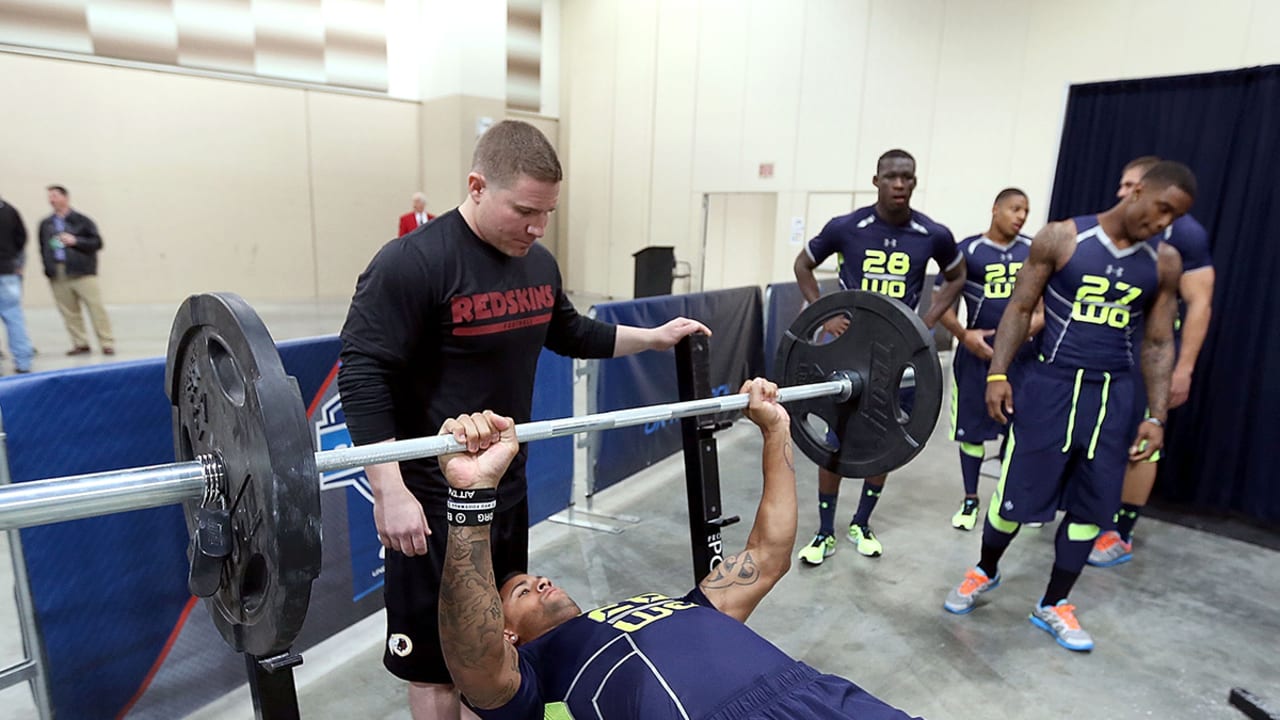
(822, 207)
(721, 96)
(977, 109)
(835, 51)
(715, 232)
(1200, 36)
(739, 233)
(441, 153)
(633, 146)
(588, 109)
(781, 254)
(772, 94)
(1262, 44)
(675, 208)
(900, 81)
(197, 184)
(365, 167)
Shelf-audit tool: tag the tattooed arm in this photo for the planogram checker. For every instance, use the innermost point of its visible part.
(1050, 250)
(1157, 355)
(738, 584)
(484, 666)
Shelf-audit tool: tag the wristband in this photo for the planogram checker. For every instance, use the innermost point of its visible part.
(469, 508)
(998, 377)
(1155, 421)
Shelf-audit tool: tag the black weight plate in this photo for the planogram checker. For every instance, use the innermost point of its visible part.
(231, 398)
(872, 435)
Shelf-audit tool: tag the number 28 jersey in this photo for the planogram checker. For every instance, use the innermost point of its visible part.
(884, 258)
(1093, 305)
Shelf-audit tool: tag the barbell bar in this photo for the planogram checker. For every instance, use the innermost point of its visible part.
(75, 497)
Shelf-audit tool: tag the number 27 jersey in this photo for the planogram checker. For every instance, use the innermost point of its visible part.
(1093, 305)
(884, 258)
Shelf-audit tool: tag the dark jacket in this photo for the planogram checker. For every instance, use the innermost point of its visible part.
(81, 259)
(13, 239)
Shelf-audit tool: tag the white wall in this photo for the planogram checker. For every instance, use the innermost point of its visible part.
(663, 101)
(202, 184)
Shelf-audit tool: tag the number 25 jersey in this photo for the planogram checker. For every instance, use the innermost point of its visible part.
(883, 258)
(1095, 302)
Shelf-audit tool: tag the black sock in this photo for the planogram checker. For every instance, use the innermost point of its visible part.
(1060, 582)
(970, 503)
(994, 543)
(866, 503)
(1126, 519)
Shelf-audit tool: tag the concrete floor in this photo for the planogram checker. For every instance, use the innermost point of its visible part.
(1191, 617)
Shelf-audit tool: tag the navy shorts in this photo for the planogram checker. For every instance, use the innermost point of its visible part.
(1068, 445)
(802, 692)
(412, 593)
(970, 421)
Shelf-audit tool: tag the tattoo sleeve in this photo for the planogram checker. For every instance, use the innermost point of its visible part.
(484, 666)
(1157, 344)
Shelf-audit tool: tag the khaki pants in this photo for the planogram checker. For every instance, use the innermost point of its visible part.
(69, 293)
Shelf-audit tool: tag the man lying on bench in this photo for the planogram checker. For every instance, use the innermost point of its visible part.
(527, 650)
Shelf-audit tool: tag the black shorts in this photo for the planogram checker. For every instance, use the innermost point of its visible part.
(412, 593)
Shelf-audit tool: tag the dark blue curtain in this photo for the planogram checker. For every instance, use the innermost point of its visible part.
(1226, 126)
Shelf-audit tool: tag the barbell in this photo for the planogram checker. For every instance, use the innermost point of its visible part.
(248, 475)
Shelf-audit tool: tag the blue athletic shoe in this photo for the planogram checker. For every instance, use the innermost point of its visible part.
(1060, 622)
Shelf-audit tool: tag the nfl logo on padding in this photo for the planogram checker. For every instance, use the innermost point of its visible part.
(366, 551)
(332, 434)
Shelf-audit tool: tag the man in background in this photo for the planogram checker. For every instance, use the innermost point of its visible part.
(883, 248)
(411, 220)
(1195, 305)
(69, 245)
(13, 242)
(992, 260)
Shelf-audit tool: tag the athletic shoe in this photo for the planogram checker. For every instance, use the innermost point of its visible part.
(822, 547)
(1060, 622)
(866, 541)
(1109, 550)
(966, 518)
(962, 599)
(1033, 525)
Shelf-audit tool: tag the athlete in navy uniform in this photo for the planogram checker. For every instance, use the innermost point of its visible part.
(1073, 430)
(528, 651)
(883, 248)
(992, 260)
(1195, 293)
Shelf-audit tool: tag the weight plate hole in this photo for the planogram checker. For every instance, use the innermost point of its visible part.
(820, 335)
(227, 371)
(818, 429)
(253, 583)
(906, 394)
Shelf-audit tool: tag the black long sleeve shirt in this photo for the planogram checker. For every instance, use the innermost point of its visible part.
(443, 324)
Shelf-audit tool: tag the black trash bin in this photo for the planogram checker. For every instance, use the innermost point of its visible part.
(655, 267)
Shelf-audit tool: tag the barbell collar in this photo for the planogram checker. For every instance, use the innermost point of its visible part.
(41, 502)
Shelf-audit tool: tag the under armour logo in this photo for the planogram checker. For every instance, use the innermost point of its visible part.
(1114, 270)
(1006, 257)
(1008, 504)
(891, 242)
